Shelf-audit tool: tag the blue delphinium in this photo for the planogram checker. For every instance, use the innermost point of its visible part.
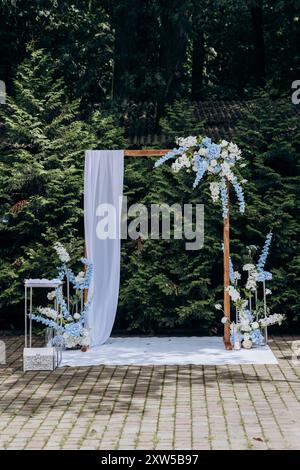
(264, 276)
(84, 282)
(172, 154)
(201, 166)
(264, 254)
(224, 198)
(240, 196)
(47, 322)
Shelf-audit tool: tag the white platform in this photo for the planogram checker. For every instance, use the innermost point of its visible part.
(167, 351)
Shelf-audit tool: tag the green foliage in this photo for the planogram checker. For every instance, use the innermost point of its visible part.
(41, 173)
(269, 135)
(163, 286)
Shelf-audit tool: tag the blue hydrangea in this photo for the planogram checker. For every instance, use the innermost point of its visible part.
(256, 337)
(248, 315)
(214, 150)
(75, 329)
(206, 141)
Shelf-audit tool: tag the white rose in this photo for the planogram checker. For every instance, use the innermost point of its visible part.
(255, 325)
(76, 316)
(51, 295)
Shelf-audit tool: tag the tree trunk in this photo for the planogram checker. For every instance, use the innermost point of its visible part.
(198, 57)
(258, 42)
(124, 25)
(173, 46)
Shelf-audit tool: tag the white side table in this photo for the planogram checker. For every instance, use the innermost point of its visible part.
(29, 284)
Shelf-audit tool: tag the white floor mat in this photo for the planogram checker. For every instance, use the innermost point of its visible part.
(167, 351)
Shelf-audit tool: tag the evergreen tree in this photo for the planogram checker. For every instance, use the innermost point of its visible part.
(269, 134)
(41, 173)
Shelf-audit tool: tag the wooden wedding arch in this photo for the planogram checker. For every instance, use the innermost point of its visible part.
(160, 153)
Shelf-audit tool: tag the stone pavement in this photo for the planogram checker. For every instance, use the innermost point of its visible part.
(185, 407)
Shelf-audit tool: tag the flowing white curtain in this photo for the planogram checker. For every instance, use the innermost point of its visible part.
(103, 188)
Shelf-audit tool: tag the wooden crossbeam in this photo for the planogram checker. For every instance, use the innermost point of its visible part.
(145, 153)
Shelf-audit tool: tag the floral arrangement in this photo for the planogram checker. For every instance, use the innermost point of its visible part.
(252, 314)
(220, 161)
(68, 320)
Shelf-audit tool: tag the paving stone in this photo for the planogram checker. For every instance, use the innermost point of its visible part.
(151, 407)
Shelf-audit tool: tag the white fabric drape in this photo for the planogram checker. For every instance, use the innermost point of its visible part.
(103, 184)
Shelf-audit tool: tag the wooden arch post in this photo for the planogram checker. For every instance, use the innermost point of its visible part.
(160, 153)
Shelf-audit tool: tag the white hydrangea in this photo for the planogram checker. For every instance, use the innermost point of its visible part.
(248, 267)
(75, 341)
(189, 141)
(245, 326)
(203, 152)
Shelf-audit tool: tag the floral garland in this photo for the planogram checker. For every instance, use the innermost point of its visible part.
(221, 162)
(250, 321)
(69, 326)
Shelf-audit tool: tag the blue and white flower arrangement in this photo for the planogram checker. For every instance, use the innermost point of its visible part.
(221, 162)
(252, 314)
(68, 318)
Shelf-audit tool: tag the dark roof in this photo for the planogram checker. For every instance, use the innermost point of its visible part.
(220, 117)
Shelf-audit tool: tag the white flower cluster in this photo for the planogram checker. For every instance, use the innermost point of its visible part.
(215, 191)
(234, 293)
(51, 295)
(271, 320)
(181, 162)
(190, 141)
(74, 341)
(62, 252)
(252, 275)
(80, 277)
(48, 312)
